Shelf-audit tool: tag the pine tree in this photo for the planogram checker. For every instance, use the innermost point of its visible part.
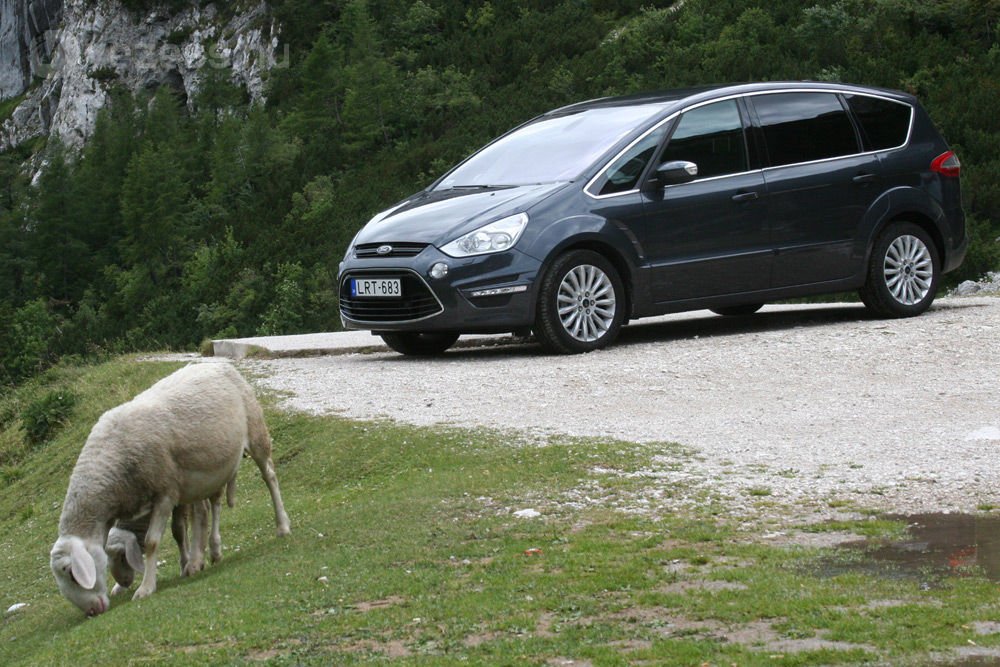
(56, 244)
(316, 119)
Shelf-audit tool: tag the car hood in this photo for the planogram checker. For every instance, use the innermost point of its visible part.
(440, 217)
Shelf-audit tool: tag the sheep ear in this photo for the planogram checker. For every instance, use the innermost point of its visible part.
(82, 565)
(133, 554)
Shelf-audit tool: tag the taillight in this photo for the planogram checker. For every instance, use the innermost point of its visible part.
(947, 164)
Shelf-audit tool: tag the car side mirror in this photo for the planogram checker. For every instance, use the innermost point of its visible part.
(675, 172)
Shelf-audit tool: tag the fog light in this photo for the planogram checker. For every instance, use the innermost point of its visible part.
(500, 291)
(439, 271)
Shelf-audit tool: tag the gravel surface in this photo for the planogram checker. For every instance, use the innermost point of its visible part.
(802, 405)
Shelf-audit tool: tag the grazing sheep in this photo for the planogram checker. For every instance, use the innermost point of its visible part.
(125, 540)
(177, 443)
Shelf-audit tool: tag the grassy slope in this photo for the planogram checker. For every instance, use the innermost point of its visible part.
(423, 562)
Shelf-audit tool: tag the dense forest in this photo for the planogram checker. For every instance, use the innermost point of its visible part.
(186, 219)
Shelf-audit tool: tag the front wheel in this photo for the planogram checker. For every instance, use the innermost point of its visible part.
(581, 304)
(419, 344)
(903, 272)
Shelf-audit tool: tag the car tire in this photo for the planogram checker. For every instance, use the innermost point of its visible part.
(581, 304)
(903, 272)
(738, 311)
(419, 344)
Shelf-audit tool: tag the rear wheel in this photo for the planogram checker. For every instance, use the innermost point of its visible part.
(419, 344)
(738, 311)
(581, 304)
(903, 272)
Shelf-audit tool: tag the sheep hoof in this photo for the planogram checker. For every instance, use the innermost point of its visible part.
(193, 568)
(118, 590)
(142, 593)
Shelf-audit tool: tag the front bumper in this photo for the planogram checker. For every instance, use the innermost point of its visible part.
(454, 303)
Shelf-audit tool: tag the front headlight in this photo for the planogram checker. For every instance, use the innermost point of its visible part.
(494, 237)
(350, 246)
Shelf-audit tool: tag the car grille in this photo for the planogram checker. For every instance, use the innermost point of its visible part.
(417, 303)
(370, 250)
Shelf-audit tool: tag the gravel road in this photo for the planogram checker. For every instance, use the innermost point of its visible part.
(805, 403)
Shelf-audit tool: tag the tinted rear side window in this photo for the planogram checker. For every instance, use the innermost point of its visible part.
(802, 127)
(885, 123)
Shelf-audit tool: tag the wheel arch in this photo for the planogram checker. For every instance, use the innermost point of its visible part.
(610, 253)
(907, 205)
(919, 219)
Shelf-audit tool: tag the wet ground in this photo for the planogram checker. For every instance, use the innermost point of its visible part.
(936, 545)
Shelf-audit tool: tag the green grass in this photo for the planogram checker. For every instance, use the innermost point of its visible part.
(405, 548)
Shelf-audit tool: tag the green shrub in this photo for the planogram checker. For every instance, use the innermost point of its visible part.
(207, 348)
(27, 340)
(104, 74)
(10, 474)
(42, 418)
(179, 36)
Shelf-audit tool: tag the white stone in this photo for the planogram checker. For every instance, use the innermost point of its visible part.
(984, 433)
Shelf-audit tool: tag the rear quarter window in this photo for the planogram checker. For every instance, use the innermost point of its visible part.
(885, 123)
(804, 127)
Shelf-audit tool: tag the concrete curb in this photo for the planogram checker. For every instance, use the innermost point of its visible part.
(324, 344)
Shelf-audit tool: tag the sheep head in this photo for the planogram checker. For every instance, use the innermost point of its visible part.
(80, 568)
(124, 557)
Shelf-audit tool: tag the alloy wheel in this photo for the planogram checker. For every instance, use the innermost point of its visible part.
(586, 302)
(908, 269)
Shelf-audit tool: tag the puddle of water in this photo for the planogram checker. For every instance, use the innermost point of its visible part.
(936, 545)
(972, 661)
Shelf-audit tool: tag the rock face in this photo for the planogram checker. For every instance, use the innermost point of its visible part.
(95, 45)
(25, 42)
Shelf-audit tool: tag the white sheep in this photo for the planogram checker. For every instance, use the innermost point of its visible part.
(178, 442)
(125, 540)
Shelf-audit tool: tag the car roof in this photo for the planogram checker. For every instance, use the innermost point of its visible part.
(682, 97)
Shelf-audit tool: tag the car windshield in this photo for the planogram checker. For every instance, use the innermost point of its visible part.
(549, 150)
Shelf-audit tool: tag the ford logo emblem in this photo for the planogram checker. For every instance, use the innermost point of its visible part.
(384, 249)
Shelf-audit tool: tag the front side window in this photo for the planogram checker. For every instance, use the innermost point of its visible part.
(803, 127)
(886, 124)
(624, 173)
(712, 137)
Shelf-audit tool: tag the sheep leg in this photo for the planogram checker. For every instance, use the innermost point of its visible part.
(178, 527)
(202, 509)
(280, 517)
(196, 543)
(163, 508)
(258, 445)
(215, 537)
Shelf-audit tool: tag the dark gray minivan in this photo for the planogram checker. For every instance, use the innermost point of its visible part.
(610, 210)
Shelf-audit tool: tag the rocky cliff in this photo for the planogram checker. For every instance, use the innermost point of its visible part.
(24, 28)
(62, 57)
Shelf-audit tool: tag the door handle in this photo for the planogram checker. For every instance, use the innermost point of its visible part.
(744, 196)
(863, 179)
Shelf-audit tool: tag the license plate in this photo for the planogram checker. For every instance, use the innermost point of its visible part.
(381, 288)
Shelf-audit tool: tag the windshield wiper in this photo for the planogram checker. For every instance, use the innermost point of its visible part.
(478, 187)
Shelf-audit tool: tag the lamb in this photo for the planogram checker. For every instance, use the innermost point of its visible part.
(177, 443)
(125, 540)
